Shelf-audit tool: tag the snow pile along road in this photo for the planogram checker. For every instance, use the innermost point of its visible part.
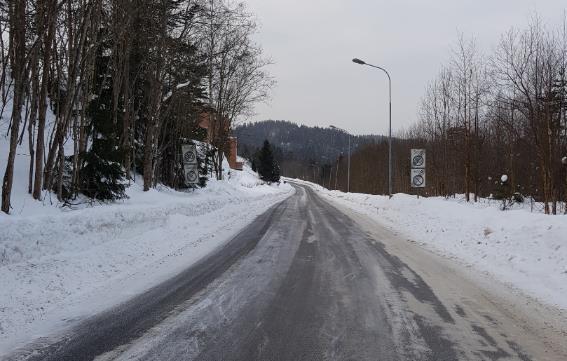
(525, 250)
(58, 266)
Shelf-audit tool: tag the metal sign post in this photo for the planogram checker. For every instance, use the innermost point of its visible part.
(418, 173)
(190, 164)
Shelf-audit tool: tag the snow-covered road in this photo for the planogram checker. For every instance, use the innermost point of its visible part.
(313, 280)
(58, 267)
(525, 250)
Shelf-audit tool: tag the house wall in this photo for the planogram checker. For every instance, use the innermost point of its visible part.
(205, 123)
(232, 160)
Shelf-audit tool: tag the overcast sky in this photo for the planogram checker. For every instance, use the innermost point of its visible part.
(312, 43)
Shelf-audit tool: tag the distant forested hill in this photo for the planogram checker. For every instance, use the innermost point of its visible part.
(298, 148)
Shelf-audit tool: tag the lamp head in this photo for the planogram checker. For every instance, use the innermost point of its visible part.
(358, 61)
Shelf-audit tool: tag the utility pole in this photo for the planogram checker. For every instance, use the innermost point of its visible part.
(564, 162)
(337, 172)
(348, 170)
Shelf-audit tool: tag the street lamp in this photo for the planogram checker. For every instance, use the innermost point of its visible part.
(348, 171)
(564, 162)
(361, 62)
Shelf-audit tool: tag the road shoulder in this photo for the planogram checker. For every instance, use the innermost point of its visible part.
(541, 328)
(47, 296)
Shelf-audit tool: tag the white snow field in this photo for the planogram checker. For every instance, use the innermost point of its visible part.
(527, 251)
(59, 265)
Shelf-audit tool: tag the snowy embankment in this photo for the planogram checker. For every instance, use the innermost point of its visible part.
(526, 250)
(59, 265)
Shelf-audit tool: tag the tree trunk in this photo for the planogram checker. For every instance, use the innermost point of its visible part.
(18, 34)
(148, 155)
(49, 9)
(61, 171)
(33, 116)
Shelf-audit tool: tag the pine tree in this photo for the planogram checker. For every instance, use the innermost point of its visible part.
(268, 168)
(276, 172)
(102, 174)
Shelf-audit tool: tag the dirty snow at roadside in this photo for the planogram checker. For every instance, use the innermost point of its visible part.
(525, 250)
(58, 265)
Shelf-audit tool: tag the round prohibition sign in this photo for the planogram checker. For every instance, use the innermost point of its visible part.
(418, 160)
(418, 180)
(189, 157)
(192, 176)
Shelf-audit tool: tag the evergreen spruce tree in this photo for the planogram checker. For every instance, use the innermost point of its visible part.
(276, 172)
(267, 167)
(102, 175)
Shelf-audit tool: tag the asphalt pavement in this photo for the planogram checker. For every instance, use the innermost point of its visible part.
(310, 281)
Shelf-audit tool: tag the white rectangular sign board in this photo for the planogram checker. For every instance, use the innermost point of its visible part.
(418, 178)
(190, 165)
(191, 172)
(418, 158)
(189, 153)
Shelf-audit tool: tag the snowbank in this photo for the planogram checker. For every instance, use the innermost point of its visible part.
(58, 265)
(523, 249)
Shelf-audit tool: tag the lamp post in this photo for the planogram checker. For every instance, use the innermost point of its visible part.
(361, 62)
(337, 172)
(564, 162)
(348, 166)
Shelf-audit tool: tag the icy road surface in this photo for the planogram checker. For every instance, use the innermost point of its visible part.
(310, 281)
